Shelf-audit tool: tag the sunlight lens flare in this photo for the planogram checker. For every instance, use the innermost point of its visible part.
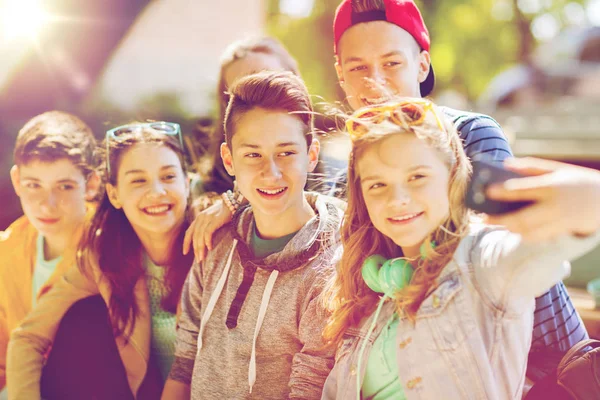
(22, 19)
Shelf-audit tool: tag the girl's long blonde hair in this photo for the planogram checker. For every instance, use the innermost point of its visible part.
(348, 296)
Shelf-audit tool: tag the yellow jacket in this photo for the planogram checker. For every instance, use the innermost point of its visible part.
(17, 261)
(31, 342)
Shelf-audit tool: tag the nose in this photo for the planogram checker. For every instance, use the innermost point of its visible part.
(271, 170)
(157, 189)
(49, 200)
(399, 197)
(376, 78)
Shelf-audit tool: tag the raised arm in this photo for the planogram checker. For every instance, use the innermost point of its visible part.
(511, 270)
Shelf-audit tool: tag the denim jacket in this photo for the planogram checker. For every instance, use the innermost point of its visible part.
(472, 333)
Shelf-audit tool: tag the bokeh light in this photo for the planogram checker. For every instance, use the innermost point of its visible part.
(22, 19)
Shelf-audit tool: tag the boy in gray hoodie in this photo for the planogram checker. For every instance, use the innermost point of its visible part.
(251, 319)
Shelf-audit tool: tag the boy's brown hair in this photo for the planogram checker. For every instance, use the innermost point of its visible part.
(272, 91)
(56, 135)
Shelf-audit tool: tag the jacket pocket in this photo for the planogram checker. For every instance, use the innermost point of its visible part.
(447, 316)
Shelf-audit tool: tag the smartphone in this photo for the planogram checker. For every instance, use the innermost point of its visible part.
(484, 174)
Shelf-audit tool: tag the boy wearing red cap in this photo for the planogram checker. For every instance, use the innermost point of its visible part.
(382, 51)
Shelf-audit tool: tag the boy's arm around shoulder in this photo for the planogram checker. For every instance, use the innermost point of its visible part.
(32, 340)
(312, 365)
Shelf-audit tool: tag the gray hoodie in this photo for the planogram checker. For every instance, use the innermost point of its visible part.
(252, 329)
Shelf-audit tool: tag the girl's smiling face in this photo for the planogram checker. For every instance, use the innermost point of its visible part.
(404, 183)
(151, 188)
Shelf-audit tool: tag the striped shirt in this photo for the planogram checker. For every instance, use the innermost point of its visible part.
(557, 325)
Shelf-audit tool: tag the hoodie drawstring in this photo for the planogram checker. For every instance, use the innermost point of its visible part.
(264, 304)
(215, 295)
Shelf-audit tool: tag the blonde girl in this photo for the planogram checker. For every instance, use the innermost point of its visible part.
(450, 315)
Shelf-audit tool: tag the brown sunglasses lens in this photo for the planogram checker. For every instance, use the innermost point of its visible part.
(358, 128)
(410, 113)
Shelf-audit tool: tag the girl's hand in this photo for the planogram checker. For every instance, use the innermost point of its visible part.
(567, 199)
(203, 227)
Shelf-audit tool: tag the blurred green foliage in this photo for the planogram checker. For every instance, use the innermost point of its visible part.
(472, 40)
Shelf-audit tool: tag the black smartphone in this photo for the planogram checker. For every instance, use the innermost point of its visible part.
(484, 174)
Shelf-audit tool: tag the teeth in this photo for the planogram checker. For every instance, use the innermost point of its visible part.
(157, 209)
(405, 217)
(277, 191)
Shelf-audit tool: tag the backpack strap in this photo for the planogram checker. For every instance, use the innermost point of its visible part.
(577, 350)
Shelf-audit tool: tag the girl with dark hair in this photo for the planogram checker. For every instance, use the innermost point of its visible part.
(118, 343)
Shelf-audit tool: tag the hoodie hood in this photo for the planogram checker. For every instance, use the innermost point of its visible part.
(320, 234)
(318, 237)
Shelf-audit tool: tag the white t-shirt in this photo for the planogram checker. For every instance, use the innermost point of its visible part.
(43, 269)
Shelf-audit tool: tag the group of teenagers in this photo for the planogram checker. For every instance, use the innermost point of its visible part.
(388, 287)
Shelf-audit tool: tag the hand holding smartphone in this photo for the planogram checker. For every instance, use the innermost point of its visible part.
(484, 174)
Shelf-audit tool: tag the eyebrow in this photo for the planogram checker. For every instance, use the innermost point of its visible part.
(417, 167)
(386, 55)
(352, 59)
(284, 144)
(64, 180)
(369, 178)
(139, 171)
(393, 53)
(411, 169)
(287, 144)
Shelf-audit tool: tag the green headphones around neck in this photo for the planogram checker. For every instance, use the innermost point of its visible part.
(389, 276)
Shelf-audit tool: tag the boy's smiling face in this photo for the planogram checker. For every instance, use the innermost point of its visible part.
(377, 61)
(270, 160)
(53, 195)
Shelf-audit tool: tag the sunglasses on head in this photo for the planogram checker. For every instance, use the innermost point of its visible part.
(165, 128)
(403, 113)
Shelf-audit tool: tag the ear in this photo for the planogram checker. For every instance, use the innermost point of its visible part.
(15, 178)
(188, 183)
(92, 186)
(339, 71)
(113, 196)
(313, 154)
(424, 59)
(227, 159)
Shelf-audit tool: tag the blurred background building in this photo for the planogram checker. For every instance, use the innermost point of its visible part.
(534, 65)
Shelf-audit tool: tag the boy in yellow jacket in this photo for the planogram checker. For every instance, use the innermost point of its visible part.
(54, 178)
